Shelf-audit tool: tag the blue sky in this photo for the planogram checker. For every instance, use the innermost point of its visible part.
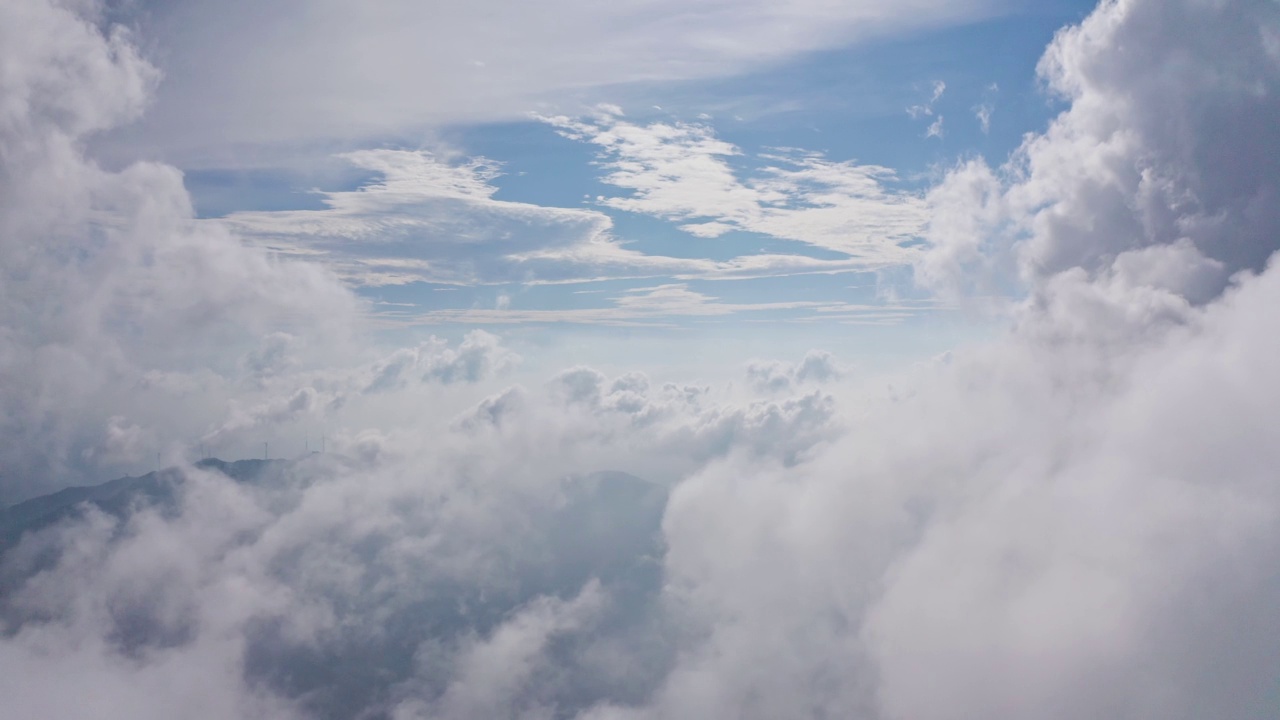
(868, 102)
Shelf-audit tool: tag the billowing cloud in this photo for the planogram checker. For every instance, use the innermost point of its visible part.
(1171, 170)
(817, 366)
(1077, 518)
(107, 276)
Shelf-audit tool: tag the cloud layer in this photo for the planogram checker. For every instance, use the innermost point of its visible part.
(1078, 518)
(298, 72)
(431, 220)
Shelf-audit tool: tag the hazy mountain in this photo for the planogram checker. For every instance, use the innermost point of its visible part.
(602, 531)
(119, 497)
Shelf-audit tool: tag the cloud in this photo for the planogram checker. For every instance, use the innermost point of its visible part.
(1075, 518)
(682, 172)
(290, 73)
(983, 114)
(505, 581)
(673, 302)
(122, 442)
(429, 219)
(495, 677)
(984, 110)
(925, 109)
(320, 393)
(425, 220)
(818, 366)
(1140, 159)
(935, 128)
(108, 278)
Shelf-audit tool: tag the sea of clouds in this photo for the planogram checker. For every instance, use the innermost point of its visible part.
(1076, 519)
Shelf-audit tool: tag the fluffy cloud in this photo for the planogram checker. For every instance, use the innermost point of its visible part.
(817, 366)
(1171, 169)
(474, 569)
(1075, 519)
(106, 275)
(319, 394)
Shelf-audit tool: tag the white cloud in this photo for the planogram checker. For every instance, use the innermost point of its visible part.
(290, 72)
(1141, 157)
(495, 677)
(983, 113)
(935, 128)
(431, 220)
(925, 109)
(672, 302)
(1077, 518)
(984, 110)
(108, 278)
(682, 172)
(317, 394)
(817, 366)
(424, 220)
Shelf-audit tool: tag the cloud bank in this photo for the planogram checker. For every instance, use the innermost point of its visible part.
(1076, 519)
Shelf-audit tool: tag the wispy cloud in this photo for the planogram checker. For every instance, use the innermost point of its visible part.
(246, 73)
(676, 304)
(984, 110)
(429, 220)
(684, 173)
(925, 109)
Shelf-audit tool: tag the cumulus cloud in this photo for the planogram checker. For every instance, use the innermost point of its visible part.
(320, 393)
(817, 366)
(1141, 158)
(475, 570)
(1077, 518)
(107, 275)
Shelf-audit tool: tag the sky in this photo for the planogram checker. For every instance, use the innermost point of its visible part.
(696, 183)
(669, 359)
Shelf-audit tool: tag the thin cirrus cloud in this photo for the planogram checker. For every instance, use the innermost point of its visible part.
(683, 173)
(670, 304)
(429, 220)
(296, 72)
